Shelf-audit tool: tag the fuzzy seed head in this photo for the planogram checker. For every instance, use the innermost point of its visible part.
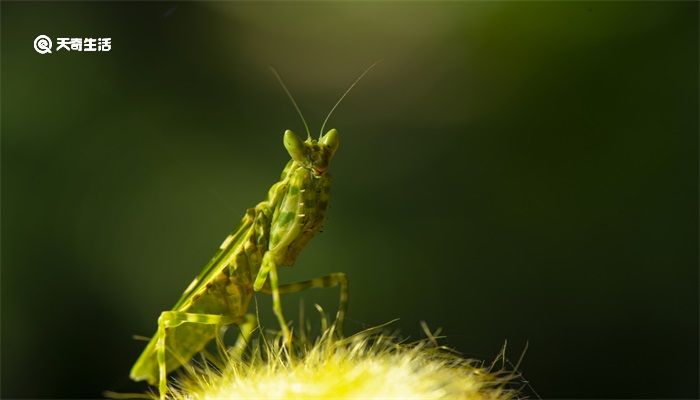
(364, 366)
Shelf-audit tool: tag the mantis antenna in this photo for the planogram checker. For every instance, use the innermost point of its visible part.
(345, 94)
(279, 79)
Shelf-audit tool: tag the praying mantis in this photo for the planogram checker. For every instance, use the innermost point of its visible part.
(270, 235)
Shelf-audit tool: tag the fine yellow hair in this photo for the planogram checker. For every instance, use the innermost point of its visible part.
(368, 365)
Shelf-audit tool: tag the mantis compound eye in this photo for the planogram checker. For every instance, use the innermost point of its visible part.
(322, 156)
(294, 146)
(330, 140)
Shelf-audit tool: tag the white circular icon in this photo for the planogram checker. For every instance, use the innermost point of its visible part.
(42, 44)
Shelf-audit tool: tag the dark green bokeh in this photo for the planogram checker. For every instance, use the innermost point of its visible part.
(511, 171)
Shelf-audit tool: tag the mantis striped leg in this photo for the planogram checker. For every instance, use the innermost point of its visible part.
(270, 235)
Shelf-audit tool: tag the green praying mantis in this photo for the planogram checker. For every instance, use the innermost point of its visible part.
(270, 235)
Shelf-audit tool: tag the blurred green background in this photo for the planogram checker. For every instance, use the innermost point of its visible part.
(512, 171)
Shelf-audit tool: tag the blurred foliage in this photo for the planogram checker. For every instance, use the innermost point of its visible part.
(511, 171)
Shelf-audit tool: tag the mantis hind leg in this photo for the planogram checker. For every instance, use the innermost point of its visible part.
(173, 319)
(328, 281)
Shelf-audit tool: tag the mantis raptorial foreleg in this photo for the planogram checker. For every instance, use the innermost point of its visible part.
(328, 281)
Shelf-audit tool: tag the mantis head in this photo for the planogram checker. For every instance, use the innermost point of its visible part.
(312, 154)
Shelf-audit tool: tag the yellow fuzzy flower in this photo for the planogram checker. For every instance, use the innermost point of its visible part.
(368, 365)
